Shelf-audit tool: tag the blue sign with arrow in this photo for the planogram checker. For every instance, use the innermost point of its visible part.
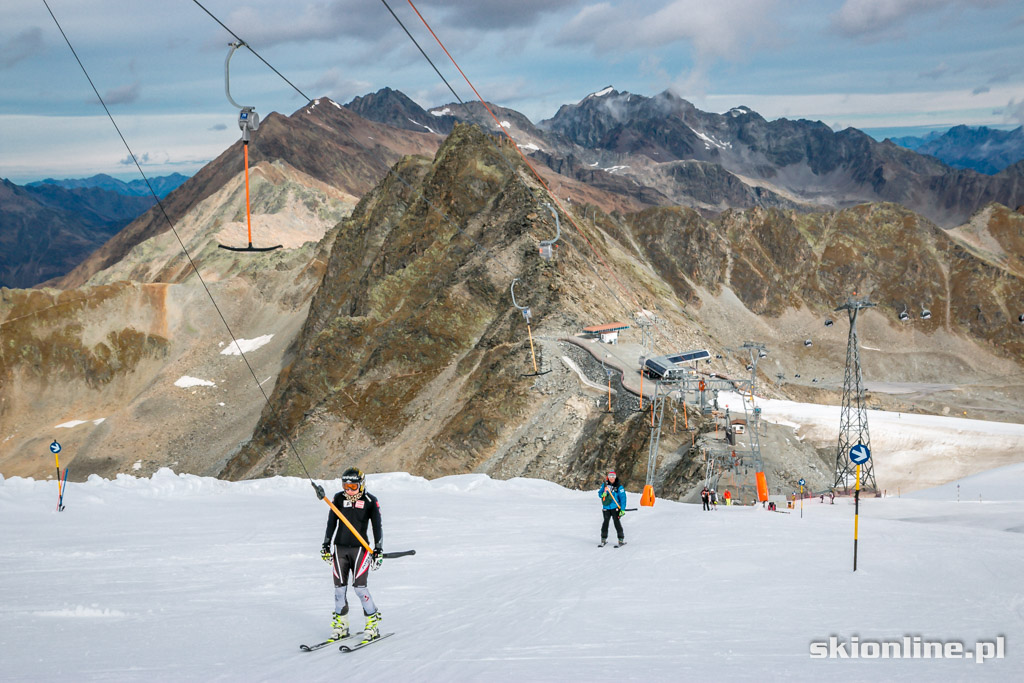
(860, 454)
(801, 482)
(55, 447)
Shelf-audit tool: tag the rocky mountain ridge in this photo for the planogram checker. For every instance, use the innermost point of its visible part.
(681, 155)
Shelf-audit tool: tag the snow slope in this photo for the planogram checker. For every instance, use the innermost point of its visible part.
(910, 451)
(189, 578)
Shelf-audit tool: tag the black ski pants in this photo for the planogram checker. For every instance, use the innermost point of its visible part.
(614, 516)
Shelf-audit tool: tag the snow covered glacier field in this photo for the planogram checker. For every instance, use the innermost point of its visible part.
(179, 577)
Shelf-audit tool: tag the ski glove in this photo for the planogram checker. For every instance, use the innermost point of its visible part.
(325, 552)
(622, 513)
(378, 558)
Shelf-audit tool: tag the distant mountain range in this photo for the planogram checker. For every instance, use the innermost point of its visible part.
(162, 185)
(983, 149)
(46, 229)
(662, 150)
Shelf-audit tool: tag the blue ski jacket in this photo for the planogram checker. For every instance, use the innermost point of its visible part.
(619, 493)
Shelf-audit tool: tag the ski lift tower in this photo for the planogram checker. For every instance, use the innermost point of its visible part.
(757, 351)
(853, 421)
(645, 320)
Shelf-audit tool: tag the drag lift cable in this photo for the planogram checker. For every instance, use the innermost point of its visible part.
(249, 122)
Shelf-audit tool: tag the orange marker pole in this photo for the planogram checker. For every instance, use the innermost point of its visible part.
(60, 490)
(686, 420)
(532, 354)
(609, 393)
(248, 219)
(641, 388)
(856, 516)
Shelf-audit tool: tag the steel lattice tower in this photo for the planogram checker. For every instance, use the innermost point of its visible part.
(853, 422)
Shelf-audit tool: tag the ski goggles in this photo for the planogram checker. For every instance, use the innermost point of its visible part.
(351, 486)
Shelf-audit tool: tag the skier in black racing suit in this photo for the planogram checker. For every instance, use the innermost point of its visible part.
(361, 509)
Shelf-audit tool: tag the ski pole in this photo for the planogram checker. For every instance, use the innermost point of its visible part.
(400, 553)
(60, 501)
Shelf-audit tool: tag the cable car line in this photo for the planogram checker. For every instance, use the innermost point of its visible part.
(184, 250)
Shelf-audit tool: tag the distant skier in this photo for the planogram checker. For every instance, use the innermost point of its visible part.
(613, 503)
(714, 500)
(728, 497)
(705, 498)
(832, 497)
(361, 509)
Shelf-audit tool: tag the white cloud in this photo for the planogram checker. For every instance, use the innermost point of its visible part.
(727, 30)
(1013, 112)
(881, 109)
(878, 19)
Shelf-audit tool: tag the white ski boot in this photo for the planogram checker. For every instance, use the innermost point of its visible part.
(372, 629)
(339, 627)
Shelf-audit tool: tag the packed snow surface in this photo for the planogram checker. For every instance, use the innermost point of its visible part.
(909, 450)
(180, 577)
(241, 346)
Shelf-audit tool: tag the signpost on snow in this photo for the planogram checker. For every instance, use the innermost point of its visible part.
(859, 454)
(55, 449)
(801, 482)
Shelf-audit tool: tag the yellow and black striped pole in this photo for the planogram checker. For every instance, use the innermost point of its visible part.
(856, 516)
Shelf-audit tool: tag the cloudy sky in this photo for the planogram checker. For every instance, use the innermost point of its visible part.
(886, 66)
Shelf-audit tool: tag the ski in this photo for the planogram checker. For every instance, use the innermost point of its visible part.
(363, 643)
(601, 545)
(329, 641)
(619, 544)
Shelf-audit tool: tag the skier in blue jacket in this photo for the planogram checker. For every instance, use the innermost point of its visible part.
(613, 503)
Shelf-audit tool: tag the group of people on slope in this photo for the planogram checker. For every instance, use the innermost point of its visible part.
(709, 498)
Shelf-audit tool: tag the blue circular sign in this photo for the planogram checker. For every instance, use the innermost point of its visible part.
(801, 482)
(860, 454)
(55, 447)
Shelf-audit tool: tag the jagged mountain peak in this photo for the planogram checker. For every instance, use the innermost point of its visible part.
(395, 108)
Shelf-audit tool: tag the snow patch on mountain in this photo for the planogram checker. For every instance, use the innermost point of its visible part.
(185, 382)
(424, 125)
(71, 424)
(240, 346)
